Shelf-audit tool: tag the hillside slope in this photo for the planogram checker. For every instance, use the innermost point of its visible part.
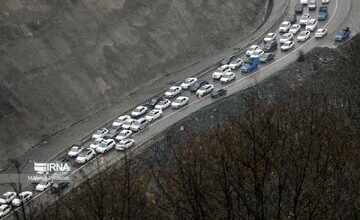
(62, 60)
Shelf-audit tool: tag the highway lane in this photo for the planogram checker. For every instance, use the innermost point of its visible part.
(243, 81)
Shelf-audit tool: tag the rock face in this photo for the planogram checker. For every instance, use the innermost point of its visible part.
(61, 60)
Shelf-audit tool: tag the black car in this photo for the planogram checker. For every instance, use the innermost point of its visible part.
(154, 101)
(197, 85)
(270, 46)
(291, 18)
(299, 8)
(59, 186)
(216, 93)
(228, 60)
(113, 132)
(267, 57)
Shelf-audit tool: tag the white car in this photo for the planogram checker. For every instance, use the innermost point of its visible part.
(139, 111)
(22, 198)
(304, 2)
(154, 114)
(224, 68)
(120, 120)
(100, 133)
(294, 29)
(163, 104)
(270, 37)
(303, 36)
(75, 150)
(139, 124)
(123, 135)
(288, 45)
(311, 25)
(43, 185)
(180, 102)
(320, 33)
(286, 37)
(85, 156)
(188, 82)
(230, 76)
(221, 70)
(252, 49)
(304, 19)
(4, 210)
(127, 124)
(125, 144)
(257, 54)
(96, 143)
(312, 4)
(205, 89)
(284, 27)
(7, 197)
(173, 91)
(105, 146)
(325, 1)
(236, 63)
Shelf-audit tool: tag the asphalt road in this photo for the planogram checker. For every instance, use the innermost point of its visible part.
(342, 13)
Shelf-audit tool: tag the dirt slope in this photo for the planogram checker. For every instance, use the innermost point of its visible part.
(62, 60)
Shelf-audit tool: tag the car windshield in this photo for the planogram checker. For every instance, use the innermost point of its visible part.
(103, 144)
(284, 25)
(138, 109)
(2, 209)
(128, 122)
(302, 34)
(203, 87)
(179, 100)
(83, 153)
(152, 113)
(123, 133)
(270, 35)
(287, 43)
(188, 80)
(137, 123)
(75, 149)
(294, 27)
(227, 75)
(256, 53)
(162, 102)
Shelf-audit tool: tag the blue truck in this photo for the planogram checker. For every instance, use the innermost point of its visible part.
(250, 65)
(323, 13)
(343, 35)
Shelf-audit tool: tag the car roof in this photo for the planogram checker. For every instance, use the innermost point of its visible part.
(4, 206)
(8, 193)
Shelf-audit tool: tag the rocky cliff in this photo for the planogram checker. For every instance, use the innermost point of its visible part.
(61, 60)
